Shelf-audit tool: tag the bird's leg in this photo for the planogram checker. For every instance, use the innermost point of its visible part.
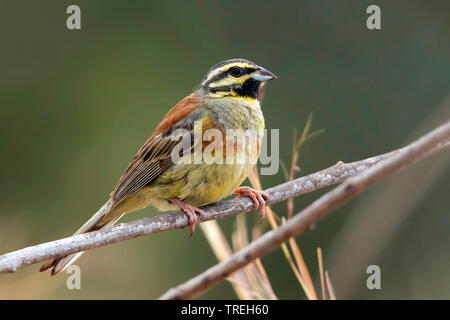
(190, 212)
(259, 198)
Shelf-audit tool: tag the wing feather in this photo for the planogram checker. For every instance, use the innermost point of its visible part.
(154, 157)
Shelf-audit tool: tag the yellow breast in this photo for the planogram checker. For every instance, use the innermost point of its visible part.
(210, 181)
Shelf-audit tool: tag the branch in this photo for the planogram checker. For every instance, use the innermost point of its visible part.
(12, 261)
(312, 214)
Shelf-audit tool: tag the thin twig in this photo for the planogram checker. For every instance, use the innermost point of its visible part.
(322, 277)
(12, 261)
(301, 265)
(312, 214)
(222, 250)
(330, 287)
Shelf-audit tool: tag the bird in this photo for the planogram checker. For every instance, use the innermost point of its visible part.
(227, 98)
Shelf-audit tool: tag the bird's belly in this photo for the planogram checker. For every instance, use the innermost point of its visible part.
(199, 184)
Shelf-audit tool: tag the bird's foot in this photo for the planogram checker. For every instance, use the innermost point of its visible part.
(190, 212)
(258, 197)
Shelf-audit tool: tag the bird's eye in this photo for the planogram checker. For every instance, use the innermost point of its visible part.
(235, 72)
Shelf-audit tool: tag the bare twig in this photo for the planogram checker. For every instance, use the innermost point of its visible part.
(358, 240)
(301, 265)
(272, 219)
(10, 262)
(313, 213)
(222, 250)
(322, 277)
(330, 287)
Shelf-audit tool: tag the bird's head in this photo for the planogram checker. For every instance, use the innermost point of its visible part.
(235, 78)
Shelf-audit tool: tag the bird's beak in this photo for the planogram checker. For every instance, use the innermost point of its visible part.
(263, 75)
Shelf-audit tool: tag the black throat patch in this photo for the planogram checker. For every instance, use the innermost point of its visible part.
(249, 88)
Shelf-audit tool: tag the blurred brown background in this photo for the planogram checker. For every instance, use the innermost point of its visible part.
(76, 105)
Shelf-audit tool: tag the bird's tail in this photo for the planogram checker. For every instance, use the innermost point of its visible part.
(104, 217)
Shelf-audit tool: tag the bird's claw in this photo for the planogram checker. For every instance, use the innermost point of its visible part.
(258, 197)
(191, 213)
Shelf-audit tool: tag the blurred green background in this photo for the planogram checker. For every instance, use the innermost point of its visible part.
(76, 105)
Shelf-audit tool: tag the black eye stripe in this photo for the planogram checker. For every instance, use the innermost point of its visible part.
(239, 71)
(221, 89)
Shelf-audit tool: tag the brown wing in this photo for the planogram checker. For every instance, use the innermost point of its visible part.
(153, 158)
